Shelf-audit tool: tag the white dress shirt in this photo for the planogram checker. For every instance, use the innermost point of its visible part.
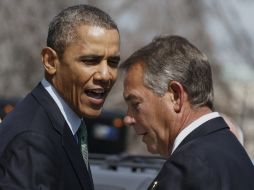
(72, 119)
(192, 126)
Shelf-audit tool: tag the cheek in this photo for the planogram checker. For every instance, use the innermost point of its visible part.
(75, 84)
(145, 115)
(146, 124)
(82, 76)
(63, 83)
(156, 128)
(114, 74)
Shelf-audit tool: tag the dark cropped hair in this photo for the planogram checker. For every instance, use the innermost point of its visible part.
(62, 29)
(169, 58)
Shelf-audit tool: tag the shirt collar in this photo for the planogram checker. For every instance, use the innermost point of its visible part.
(192, 126)
(72, 119)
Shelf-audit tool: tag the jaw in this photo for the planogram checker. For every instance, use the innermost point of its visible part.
(157, 147)
(89, 111)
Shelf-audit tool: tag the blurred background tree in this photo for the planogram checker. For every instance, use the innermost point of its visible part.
(221, 29)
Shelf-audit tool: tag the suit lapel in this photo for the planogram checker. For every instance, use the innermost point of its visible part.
(206, 128)
(50, 107)
(70, 146)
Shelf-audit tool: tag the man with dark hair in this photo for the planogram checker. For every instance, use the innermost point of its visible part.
(43, 141)
(169, 92)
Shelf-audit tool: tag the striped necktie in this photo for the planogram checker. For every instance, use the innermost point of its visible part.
(82, 141)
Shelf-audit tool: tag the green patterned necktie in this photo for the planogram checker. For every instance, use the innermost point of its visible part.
(82, 141)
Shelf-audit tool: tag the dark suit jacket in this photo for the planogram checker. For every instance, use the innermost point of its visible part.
(209, 158)
(38, 150)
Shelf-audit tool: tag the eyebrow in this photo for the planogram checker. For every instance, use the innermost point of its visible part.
(90, 57)
(114, 58)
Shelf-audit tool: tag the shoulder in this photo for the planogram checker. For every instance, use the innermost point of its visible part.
(187, 171)
(27, 159)
(28, 117)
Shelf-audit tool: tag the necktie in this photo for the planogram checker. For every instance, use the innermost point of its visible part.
(82, 141)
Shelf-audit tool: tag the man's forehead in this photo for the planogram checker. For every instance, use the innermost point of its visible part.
(96, 31)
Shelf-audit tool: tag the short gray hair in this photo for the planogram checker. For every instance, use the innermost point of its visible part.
(169, 58)
(62, 29)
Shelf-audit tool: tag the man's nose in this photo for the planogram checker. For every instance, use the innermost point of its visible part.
(129, 121)
(103, 72)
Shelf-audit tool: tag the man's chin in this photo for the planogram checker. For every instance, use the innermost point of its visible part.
(152, 150)
(92, 113)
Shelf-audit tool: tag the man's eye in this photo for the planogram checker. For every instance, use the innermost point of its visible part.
(90, 61)
(113, 62)
(136, 105)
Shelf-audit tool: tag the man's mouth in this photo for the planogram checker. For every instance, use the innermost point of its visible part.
(142, 134)
(96, 96)
(96, 93)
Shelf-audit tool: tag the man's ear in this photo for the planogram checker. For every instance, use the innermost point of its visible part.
(49, 60)
(177, 95)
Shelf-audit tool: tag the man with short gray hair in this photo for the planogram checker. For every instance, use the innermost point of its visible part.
(169, 92)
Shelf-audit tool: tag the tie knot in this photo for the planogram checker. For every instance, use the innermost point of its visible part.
(82, 124)
(82, 133)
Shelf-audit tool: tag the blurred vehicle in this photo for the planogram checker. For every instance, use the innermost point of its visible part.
(124, 172)
(107, 134)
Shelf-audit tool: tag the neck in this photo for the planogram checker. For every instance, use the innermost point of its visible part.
(191, 114)
(185, 118)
